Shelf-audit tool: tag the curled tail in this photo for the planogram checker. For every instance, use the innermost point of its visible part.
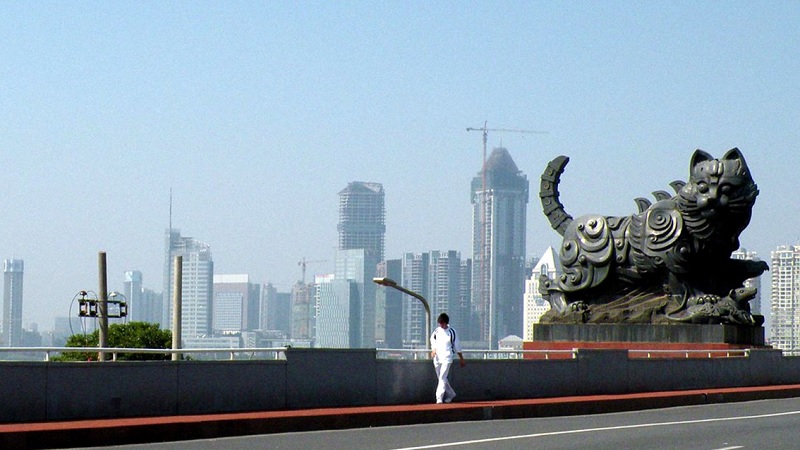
(548, 193)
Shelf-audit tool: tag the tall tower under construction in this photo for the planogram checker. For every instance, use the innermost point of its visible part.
(499, 200)
(361, 218)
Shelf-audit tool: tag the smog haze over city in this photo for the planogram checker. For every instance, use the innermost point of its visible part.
(256, 114)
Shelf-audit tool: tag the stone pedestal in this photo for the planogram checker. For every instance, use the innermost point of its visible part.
(686, 334)
(714, 339)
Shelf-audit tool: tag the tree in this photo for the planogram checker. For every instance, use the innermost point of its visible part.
(126, 335)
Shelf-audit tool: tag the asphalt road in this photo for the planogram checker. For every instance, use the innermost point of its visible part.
(764, 424)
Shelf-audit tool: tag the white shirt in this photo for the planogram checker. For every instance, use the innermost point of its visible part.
(445, 342)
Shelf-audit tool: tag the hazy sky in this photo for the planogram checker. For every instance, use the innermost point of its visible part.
(257, 114)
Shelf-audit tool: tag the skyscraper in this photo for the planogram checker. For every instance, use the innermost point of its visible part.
(499, 199)
(361, 218)
(359, 266)
(361, 246)
(197, 283)
(785, 298)
(12, 302)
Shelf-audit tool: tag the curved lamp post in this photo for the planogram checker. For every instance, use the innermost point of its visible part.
(388, 282)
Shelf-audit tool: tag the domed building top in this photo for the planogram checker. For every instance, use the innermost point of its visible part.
(500, 160)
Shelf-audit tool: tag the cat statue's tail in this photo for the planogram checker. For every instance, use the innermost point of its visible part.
(548, 193)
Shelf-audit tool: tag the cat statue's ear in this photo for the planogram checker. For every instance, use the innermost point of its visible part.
(700, 156)
(735, 155)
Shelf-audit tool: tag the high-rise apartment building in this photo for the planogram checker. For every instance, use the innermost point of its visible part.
(444, 287)
(361, 218)
(755, 303)
(785, 298)
(13, 270)
(416, 273)
(535, 305)
(499, 199)
(439, 276)
(236, 304)
(197, 284)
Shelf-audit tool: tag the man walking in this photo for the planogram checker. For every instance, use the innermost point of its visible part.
(444, 342)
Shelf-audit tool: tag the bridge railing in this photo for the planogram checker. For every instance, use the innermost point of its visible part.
(46, 353)
(421, 353)
(279, 353)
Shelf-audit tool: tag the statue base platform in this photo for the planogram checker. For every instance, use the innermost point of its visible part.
(666, 340)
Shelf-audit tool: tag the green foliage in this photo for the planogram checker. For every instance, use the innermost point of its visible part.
(127, 335)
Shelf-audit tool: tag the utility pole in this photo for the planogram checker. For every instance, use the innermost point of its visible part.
(102, 306)
(177, 296)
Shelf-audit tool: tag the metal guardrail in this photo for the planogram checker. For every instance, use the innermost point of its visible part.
(279, 353)
(739, 353)
(273, 353)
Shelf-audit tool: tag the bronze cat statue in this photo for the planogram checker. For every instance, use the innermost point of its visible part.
(652, 266)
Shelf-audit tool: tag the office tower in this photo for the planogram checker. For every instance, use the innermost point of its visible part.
(785, 298)
(276, 310)
(755, 303)
(236, 304)
(361, 218)
(197, 283)
(359, 266)
(499, 198)
(389, 307)
(132, 290)
(415, 278)
(302, 312)
(535, 305)
(144, 305)
(338, 321)
(12, 302)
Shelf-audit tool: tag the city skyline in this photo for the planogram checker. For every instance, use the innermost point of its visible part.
(256, 115)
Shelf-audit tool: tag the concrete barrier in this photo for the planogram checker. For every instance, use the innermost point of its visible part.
(315, 378)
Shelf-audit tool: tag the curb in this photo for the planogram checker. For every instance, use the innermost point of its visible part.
(107, 432)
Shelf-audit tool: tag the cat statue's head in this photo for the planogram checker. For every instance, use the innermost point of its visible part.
(719, 195)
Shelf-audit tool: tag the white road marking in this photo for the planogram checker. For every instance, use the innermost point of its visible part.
(730, 448)
(590, 430)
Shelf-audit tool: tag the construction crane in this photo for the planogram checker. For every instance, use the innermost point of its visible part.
(487, 322)
(303, 265)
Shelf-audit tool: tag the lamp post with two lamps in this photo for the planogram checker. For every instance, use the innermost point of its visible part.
(388, 282)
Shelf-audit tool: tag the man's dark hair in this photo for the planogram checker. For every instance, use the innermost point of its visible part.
(443, 318)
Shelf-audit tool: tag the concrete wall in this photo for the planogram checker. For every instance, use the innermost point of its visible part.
(33, 392)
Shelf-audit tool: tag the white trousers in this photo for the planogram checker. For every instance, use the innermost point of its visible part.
(443, 389)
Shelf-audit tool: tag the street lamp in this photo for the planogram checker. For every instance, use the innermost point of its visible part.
(388, 282)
